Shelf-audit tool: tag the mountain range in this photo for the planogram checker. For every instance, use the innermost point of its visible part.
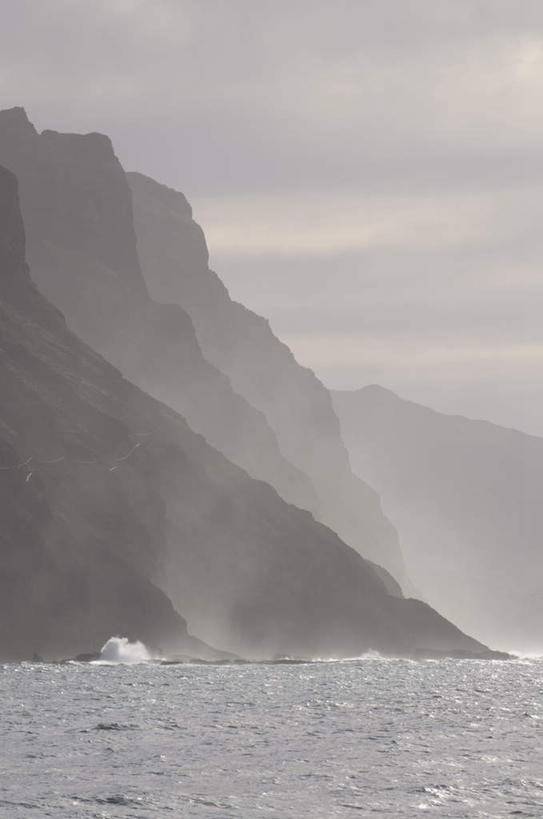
(466, 496)
(175, 265)
(113, 509)
(253, 401)
(166, 466)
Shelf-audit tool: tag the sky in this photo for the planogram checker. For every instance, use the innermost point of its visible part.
(368, 173)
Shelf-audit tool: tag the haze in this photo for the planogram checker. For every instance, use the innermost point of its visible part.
(378, 163)
(271, 436)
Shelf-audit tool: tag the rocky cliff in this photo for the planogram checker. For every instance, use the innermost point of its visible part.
(110, 501)
(82, 250)
(241, 344)
(466, 496)
(75, 550)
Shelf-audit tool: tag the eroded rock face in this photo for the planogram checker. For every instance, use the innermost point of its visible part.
(81, 247)
(466, 496)
(112, 506)
(67, 581)
(241, 344)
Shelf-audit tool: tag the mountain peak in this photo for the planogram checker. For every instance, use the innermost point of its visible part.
(377, 390)
(93, 145)
(15, 120)
(16, 114)
(175, 199)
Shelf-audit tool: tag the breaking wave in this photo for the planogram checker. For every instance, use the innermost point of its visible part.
(121, 650)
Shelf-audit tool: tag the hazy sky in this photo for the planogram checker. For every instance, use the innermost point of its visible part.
(368, 172)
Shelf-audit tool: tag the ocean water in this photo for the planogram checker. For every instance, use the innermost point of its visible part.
(368, 737)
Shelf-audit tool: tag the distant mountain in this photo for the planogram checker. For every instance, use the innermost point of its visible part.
(110, 502)
(467, 498)
(82, 250)
(175, 266)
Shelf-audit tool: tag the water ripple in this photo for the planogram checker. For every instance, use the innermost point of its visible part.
(369, 737)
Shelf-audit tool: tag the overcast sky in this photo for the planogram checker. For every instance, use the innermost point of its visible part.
(368, 172)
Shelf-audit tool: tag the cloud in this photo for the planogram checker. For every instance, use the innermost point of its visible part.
(319, 221)
(364, 169)
(288, 95)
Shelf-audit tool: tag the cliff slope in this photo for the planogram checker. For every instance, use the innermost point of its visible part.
(76, 552)
(82, 250)
(241, 344)
(466, 496)
(109, 500)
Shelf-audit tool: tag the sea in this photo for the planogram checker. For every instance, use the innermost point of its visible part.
(129, 736)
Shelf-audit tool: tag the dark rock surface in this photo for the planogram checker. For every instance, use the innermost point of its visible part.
(241, 344)
(110, 502)
(67, 577)
(466, 496)
(81, 247)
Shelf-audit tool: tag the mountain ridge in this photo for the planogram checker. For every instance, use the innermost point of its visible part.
(175, 264)
(82, 250)
(113, 507)
(465, 494)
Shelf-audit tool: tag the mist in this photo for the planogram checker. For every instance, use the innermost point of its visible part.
(465, 496)
(271, 448)
(123, 259)
(389, 162)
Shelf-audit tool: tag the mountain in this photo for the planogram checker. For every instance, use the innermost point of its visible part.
(82, 250)
(112, 506)
(175, 265)
(466, 496)
(74, 547)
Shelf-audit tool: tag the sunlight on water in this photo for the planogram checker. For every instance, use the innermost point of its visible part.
(454, 739)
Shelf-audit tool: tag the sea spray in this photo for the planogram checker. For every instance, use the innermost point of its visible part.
(121, 650)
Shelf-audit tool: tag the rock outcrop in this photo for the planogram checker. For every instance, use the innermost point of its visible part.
(112, 506)
(82, 250)
(241, 344)
(466, 496)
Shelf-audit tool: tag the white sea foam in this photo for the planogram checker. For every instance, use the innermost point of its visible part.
(121, 650)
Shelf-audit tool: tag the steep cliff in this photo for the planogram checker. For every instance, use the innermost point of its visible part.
(107, 496)
(75, 549)
(241, 344)
(82, 250)
(466, 496)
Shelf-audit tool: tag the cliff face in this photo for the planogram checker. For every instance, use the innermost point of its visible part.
(67, 577)
(466, 496)
(109, 500)
(82, 250)
(174, 259)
